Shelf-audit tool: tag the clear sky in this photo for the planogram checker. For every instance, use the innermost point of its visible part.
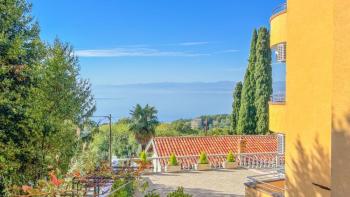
(143, 41)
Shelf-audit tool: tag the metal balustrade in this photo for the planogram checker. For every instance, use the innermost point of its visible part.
(278, 98)
(280, 9)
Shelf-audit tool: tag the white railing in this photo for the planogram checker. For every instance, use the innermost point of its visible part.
(271, 160)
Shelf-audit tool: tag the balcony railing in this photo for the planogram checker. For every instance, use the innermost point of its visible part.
(271, 160)
(280, 9)
(278, 98)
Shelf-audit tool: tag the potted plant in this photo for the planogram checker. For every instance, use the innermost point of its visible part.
(173, 165)
(203, 163)
(230, 162)
(144, 164)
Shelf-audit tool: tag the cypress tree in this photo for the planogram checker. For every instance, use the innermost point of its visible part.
(263, 80)
(235, 107)
(246, 120)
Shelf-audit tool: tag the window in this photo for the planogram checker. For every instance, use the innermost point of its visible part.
(280, 52)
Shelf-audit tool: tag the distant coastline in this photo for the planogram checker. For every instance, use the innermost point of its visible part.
(173, 100)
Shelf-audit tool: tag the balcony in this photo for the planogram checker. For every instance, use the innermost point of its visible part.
(278, 25)
(269, 185)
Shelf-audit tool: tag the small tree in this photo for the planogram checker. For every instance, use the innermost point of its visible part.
(235, 107)
(172, 160)
(203, 158)
(230, 157)
(143, 157)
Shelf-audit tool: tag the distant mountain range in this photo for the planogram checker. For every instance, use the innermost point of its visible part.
(173, 100)
(278, 86)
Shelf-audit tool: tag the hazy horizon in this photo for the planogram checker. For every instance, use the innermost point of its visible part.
(173, 100)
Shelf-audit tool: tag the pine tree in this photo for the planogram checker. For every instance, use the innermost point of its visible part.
(246, 121)
(235, 107)
(263, 80)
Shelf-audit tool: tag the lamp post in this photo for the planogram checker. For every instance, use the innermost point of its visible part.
(110, 136)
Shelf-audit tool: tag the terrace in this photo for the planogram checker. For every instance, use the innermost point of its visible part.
(254, 157)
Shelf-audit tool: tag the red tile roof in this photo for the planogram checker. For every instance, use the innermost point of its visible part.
(211, 145)
(194, 145)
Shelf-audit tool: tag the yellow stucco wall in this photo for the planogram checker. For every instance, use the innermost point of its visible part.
(309, 90)
(341, 100)
(318, 93)
(277, 117)
(278, 33)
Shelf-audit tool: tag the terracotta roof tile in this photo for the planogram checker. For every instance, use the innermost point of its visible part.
(193, 145)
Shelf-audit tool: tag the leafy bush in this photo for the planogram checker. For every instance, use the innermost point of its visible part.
(172, 160)
(203, 158)
(125, 191)
(152, 194)
(143, 157)
(179, 193)
(230, 157)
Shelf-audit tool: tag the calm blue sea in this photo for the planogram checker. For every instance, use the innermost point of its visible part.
(172, 100)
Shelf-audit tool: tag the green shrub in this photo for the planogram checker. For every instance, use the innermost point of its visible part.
(203, 158)
(143, 157)
(230, 157)
(152, 194)
(179, 193)
(172, 160)
(126, 191)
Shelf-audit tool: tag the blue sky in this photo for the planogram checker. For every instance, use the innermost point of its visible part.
(144, 41)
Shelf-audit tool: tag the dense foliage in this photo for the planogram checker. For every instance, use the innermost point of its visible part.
(246, 122)
(152, 194)
(124, 143)
(125, 187)
(253, 115)
(235, 107)
(43, 100)
(263, 81)
(143, 123)
(179, 193)
(217, 125)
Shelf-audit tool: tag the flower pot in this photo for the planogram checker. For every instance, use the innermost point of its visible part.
(201, 167)
(229, 165)
(173, 168)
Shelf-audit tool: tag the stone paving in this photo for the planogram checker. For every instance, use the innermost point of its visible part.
(213, 183)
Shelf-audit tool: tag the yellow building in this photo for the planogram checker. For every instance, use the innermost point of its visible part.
(313, 38)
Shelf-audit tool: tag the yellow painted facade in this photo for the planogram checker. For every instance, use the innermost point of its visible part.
(277, 121)
(279, 31)
(317, 115)
(340, 154)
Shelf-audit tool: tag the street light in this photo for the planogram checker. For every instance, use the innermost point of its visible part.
(110, 136)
